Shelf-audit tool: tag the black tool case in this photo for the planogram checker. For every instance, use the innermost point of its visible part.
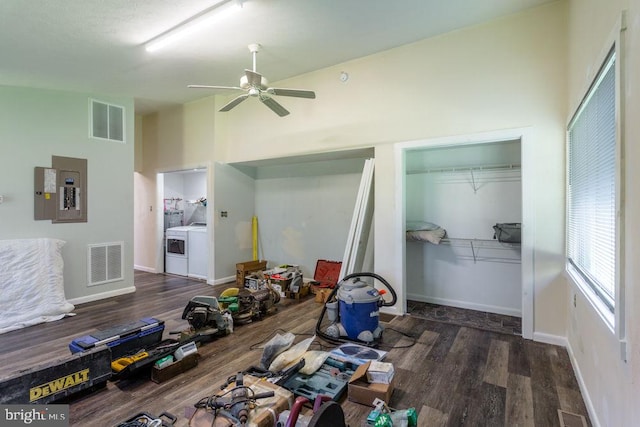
(58, 379)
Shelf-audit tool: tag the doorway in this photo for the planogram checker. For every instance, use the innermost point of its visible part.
(183, 242)
(526, 276)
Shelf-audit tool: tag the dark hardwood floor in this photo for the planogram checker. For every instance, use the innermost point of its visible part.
(451, 375)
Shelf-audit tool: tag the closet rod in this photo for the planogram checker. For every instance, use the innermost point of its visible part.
(508, 166)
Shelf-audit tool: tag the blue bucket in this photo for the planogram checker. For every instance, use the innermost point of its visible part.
(359, 317)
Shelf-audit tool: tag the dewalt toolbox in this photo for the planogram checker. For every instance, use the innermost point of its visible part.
(58, 378)
(123, 339)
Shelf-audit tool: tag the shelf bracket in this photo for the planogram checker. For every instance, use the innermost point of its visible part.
(473, 251)
(473, 182)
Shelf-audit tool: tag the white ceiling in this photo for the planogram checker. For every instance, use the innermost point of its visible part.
(96, 46)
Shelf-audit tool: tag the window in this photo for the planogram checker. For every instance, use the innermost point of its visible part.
(593, 189)
(106, 121)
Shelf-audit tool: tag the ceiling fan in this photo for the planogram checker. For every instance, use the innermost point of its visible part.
(255, 85)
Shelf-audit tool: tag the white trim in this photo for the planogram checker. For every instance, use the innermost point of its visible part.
(222, 281)
(550, 339)
(466, 304)
(528, 207)
(145, 269)
(593, 415)
(103, 295)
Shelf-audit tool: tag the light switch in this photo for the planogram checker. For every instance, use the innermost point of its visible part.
(1, 199)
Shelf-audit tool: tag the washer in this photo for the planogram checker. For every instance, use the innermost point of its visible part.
(198, 251)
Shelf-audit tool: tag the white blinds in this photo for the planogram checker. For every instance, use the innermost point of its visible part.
(591, 216)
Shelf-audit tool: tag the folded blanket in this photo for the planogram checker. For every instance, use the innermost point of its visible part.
(425, 232)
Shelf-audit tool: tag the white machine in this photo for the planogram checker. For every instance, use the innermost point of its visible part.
(186, 250)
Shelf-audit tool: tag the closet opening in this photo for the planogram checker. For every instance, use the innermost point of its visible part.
(456, 264)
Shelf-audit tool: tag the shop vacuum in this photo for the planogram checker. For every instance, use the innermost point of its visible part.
(353, 308)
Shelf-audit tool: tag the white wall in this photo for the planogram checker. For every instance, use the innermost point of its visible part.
(234, 193)
(610, 386)
(37, 124)
(305, 211)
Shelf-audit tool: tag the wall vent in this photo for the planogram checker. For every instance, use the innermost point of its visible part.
(105, 262)
(106, 121)
(569, 419)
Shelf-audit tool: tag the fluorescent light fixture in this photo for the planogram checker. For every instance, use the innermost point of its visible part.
(218, 11)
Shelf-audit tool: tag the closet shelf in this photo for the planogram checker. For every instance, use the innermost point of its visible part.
(478, 174)
(477, 244)
(479, 168)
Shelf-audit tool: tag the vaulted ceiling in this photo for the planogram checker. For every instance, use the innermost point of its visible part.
(97, 46)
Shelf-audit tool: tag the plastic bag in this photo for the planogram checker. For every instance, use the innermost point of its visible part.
(313, 360)
(291, 356)
(507, 232)
(274, 347)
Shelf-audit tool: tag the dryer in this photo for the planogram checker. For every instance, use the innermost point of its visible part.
(177, 250)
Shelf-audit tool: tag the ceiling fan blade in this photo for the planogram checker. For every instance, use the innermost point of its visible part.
(275, 107)
(235, 101)
(253, 78)
(298, 93)
(213, 87)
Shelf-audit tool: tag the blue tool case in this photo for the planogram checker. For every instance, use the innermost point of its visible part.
(123, 339)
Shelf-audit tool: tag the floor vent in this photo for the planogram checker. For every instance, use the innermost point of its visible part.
(105, 263)
(569, 419)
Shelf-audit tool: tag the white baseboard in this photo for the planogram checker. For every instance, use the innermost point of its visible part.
(223, 280)
(583, 388)
(550, 339)
(466, 304)
(102, 295)
(145, 269)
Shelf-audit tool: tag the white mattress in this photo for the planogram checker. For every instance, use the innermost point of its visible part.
(31, 283)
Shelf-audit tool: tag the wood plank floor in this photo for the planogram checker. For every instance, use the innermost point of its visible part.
(452, 375)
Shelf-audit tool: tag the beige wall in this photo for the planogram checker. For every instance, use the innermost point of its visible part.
(610, 385)
(509, 73)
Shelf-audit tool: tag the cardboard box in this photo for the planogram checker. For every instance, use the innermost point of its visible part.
(380, 372)
(159, 375)
(245, 268)
(322, 294)
(364, 392)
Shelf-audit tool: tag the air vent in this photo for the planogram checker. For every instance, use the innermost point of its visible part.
(105, 263)
(106, 121)
(569, 419)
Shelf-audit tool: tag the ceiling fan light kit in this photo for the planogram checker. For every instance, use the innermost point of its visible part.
(257, 86)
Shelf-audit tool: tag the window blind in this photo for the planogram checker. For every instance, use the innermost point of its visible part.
(591, 215)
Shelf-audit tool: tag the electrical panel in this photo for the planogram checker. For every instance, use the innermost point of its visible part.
(61, 191)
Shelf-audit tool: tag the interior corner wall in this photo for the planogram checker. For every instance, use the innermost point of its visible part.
(37, 124)
(234, 194)
(610, 386)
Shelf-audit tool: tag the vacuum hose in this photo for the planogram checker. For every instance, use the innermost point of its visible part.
(335, 291)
